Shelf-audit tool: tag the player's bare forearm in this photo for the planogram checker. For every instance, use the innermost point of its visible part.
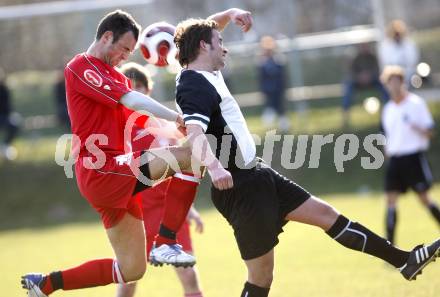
(200, 147)
(146, 105)
(240, 17)
(427, 133)
(201, 151)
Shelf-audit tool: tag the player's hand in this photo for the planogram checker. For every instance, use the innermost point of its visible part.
(179, 121)
(242, 18)
(194, 215)
(427, 133)
(221, 178)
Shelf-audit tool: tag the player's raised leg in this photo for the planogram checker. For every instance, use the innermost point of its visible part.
(357, 237)
(179, 198)
(126, 234)
(128, 241)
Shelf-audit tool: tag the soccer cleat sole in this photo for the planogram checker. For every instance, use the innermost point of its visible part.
(419, 271)
(30, 287)
(25, 284)
(156, 263)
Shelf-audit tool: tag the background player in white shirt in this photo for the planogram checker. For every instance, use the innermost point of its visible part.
(408, 125)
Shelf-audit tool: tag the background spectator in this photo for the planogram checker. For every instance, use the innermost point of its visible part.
(364, 72)
(7, 121)
(60, 101)
(399, 49)
(272, 83)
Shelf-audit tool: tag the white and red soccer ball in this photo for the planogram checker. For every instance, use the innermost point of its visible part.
(157, 44)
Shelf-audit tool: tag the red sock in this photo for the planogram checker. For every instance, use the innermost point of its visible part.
(180, 195)
(94, 273)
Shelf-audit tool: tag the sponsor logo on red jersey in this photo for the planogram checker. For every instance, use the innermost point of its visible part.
(92, 77)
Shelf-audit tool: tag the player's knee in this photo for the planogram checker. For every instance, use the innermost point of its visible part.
(134, 275)
(134, 272)
(183, 157)
(262, 277)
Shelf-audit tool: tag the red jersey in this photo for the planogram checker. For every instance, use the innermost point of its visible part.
(93, 90)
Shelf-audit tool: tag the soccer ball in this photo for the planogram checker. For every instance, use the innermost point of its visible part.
(157, 44)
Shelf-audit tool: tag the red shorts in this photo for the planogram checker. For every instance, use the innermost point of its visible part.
(109, 190)
(153, 204)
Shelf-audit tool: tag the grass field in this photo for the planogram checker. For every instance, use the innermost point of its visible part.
(308, 263)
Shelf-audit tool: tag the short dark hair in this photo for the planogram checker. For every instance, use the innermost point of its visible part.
(138, 73)
(188, 35)
(119, 22)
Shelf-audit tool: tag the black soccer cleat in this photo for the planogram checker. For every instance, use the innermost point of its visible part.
(419, 257)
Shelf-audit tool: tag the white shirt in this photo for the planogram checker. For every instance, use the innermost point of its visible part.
(232, 115)
(398, 119)
(404, 54)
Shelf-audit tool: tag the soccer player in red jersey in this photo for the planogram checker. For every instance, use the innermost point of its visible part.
(159, 133)
(108, 172)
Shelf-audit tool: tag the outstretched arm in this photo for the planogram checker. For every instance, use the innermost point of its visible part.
(201, 151)
(240, 17)
(144, 104)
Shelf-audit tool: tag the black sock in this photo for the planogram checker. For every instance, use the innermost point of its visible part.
(356, 237)
(435, 211)
(56, 278)
(251, 290)
(52, 282)
(166, 232)
(391, 220)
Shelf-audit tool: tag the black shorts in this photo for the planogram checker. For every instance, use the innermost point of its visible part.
(408, 171)
(256, 207)
(140, 186)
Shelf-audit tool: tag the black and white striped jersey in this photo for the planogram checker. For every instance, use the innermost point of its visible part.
(204, 99)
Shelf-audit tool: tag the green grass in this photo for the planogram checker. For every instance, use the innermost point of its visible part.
(308, 263)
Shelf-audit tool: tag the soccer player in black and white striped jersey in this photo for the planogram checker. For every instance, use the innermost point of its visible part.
(256, 200)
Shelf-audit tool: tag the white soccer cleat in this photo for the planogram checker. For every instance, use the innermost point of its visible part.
(31, 282)
(171, 254)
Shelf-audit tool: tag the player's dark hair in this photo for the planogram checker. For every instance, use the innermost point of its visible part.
(118, 22)
(188, 35)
